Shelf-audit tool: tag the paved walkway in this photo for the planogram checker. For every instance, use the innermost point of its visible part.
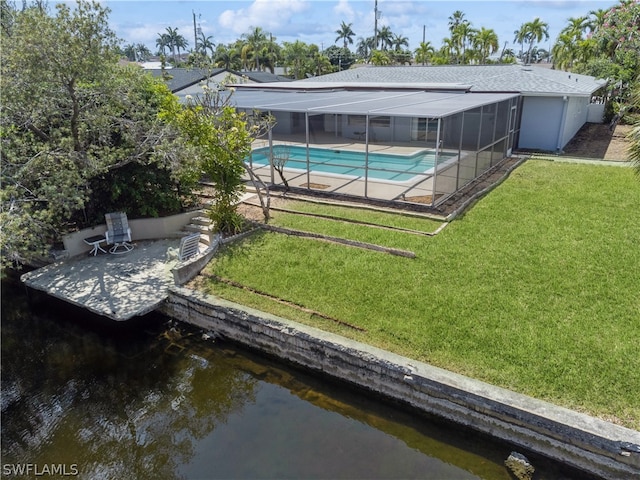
(117, 286)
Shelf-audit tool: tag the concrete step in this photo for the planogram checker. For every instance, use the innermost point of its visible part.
(201, 220)
(194, 227)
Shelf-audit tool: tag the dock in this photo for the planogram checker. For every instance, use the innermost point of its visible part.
(116, 286)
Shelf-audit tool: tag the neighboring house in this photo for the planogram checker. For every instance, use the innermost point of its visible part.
(189, 81)
(555, 104)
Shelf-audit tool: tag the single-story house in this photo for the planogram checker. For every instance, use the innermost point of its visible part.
(188, 81)
(555, 104)
(415, 134)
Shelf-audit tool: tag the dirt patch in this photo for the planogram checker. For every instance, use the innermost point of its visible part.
(596, 140)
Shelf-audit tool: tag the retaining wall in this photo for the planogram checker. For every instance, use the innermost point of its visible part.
(584, 442)
(141, 229)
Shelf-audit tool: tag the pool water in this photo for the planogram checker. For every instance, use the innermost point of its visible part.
(382, 166)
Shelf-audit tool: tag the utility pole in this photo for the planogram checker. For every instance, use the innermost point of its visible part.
(375, 25)
(195, 34)
(424, 31)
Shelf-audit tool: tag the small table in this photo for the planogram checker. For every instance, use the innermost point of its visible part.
(95, 242)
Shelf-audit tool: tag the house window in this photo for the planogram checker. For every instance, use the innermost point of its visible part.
(380, 122)
(357, 120)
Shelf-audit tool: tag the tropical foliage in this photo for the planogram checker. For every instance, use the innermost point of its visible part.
(221, 139)
(604, 44)
(80, 135)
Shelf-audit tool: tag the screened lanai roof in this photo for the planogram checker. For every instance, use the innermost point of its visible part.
(395, 103)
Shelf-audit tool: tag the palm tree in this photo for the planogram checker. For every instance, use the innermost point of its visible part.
(365, 46)
(385, 38)
(226, 57)
(345, 33)
(447, 51)
(130, 52)
(597, 19)
(520, 37)
(295, 56)
(142, 52)
(487, 43)
(399, 41)
(464, 35)
(181, 44)
(424, 52)
(162, 42)
(174, 41)
(456, 19)
(536, 30)
(577, 26)
(205, 43)
(380, 58)
(255, 38)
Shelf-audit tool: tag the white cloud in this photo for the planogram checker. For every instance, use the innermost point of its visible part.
(267, 14)
(344, 11)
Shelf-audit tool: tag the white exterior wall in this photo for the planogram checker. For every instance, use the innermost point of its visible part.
(541, 122)
(577, 113)
(549, 123)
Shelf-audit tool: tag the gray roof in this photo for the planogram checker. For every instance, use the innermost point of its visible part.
(263, 77)
(528, 80)
(181, 78)
(397, 103)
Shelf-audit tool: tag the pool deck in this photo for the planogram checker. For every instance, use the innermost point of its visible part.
(419, 185)
(116, 286)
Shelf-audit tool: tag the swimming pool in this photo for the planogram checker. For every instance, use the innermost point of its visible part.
(382, 166)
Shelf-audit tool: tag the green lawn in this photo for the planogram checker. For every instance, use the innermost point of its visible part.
(534, 289)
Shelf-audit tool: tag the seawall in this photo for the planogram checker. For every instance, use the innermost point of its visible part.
(578, 440)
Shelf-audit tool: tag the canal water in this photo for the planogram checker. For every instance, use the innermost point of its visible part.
(155, 399)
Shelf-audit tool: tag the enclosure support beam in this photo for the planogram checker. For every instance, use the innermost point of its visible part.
(366, 156)
(306, 126)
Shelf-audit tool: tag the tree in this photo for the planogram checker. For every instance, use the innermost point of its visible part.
(129, 51)
(171, 37)
(364, 47)
(456, 20)
(345, 33)
(380, 58)
(399, 41)
(385, 38)
(424, 52)
(612, 52)
(205, 44)
(296, 57)
(339, 57)
(487, 43)
(520, 36)
(279, 159)
(226, 57)
(255, 40)
(72, 121)
(222, 137)
(163, 41)
(180, 43)
(534, 31)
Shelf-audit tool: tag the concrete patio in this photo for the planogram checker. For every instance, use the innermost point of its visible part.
(116, 286)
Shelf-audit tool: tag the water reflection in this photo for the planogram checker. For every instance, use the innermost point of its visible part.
(153, 400)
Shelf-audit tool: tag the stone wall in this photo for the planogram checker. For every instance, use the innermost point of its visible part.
(569, 437)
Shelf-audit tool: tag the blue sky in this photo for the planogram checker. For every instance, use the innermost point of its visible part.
(316, 21)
